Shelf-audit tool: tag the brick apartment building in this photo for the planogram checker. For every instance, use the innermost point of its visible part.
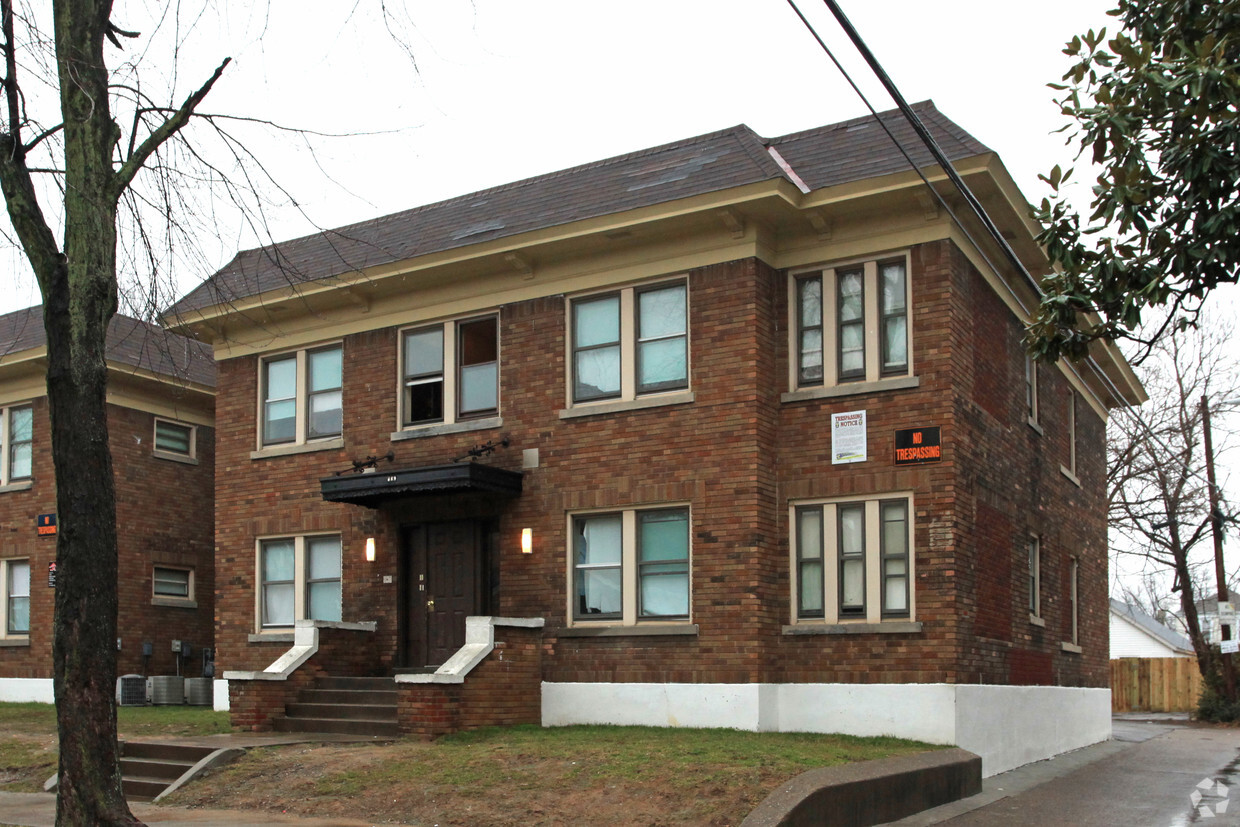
(160, 415)
(728, 432)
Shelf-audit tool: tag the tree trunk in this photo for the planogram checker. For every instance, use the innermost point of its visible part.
(79, 299)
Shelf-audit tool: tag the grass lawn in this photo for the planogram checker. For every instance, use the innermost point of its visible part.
(523, 775)
(530, 775)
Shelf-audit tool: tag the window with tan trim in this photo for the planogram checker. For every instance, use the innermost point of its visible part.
(631, 566)
(15, 594)
(172, 585)
(629, 343)
(300, 396)
(298, 579)
(176, 440)
(1031, 390)
(1033, 553)
(853, 559)
(1074, 566)
(17, 440)
(850, 323)
(450, 372)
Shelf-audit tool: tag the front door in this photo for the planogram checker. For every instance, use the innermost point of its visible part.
(442, 586)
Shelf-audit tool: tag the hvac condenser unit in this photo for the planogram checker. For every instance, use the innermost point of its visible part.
(131, 690)
(198, 691)
(167, 689)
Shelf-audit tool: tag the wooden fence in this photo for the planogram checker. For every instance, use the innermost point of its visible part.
(1155, 685)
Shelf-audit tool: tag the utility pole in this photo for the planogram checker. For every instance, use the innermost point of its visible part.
(1216, 523)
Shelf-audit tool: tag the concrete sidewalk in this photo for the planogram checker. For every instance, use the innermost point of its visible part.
(39, 810)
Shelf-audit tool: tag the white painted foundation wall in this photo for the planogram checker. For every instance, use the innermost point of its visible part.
(1008, 726)
(27, 690)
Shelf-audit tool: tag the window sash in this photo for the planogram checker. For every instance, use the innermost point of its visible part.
(662, 341)
(850, 550)
(1073, 597)
(894, 546)
(323, 597)
(168, 582)
(423, 356)
(598, 587)
(596, 348)
(811, 600)
(21, 442)
(174, 438)
(809, 331)
(478, 376)
(278, 583)
(850, 323)
(1031, 388)
(663, 577)
(17, 619)
(279, 411)
(893, 312)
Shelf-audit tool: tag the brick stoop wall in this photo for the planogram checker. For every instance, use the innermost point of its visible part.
(502, 690)
(253, 704)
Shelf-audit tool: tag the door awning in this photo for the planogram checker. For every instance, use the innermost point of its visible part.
(374, 488)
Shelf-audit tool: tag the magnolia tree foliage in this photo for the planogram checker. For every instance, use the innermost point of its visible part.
(1156, 109)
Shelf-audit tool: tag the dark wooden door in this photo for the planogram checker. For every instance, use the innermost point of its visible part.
(442, 587)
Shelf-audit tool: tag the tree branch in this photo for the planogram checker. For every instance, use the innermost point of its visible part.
(162, 133)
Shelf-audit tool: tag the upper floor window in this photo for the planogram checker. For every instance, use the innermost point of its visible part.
(299, 578)
(15, 590)
(450, 372)
(17, 435)
(302, 396)
(1031, 389)
(1072, 433)
(630, 343)
(853, 559)
(851, 323)
(176, 439)
(631, 566)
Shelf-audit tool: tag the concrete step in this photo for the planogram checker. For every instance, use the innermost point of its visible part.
(347, 726)
(386, 697)
(159, 750)
(374, 712)
(380, 684)
(142, 789)
(146, 768)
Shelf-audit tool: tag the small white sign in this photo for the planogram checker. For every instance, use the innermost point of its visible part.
(1229, 647)
(848, 437)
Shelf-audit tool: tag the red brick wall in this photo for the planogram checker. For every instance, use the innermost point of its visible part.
(737, 456)
(165, 515)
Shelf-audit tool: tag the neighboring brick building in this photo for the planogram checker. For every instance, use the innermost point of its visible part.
(160, 424)
(646, 354)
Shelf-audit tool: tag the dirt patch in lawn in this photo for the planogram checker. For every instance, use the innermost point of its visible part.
(528, 775)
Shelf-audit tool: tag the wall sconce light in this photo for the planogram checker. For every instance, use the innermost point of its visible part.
(527, 541)
(370, 549)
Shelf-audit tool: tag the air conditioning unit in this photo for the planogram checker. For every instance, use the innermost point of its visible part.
(166, 689)
(131, 690)
(198, 691)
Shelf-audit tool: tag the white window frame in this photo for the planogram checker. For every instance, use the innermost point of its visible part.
(165, 453)
(872, 319)
(1070, 469)
(450, 375)
(874, 571)
(301, 579)
(301, 399)
(158, 599)
(628, 345)
(6, 565)
(6, 446)
(1033, 569)
(630, 577)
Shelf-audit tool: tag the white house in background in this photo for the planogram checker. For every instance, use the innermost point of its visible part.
(1134, 634)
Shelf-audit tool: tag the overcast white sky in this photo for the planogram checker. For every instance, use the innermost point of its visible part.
(507, 89)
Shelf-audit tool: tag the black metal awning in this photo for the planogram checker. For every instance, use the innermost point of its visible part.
(373, 488)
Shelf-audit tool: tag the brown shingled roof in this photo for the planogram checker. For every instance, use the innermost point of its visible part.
(130, 342)
(848, 151)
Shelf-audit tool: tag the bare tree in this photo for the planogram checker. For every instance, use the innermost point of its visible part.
(1158, 496)
(92, 163)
